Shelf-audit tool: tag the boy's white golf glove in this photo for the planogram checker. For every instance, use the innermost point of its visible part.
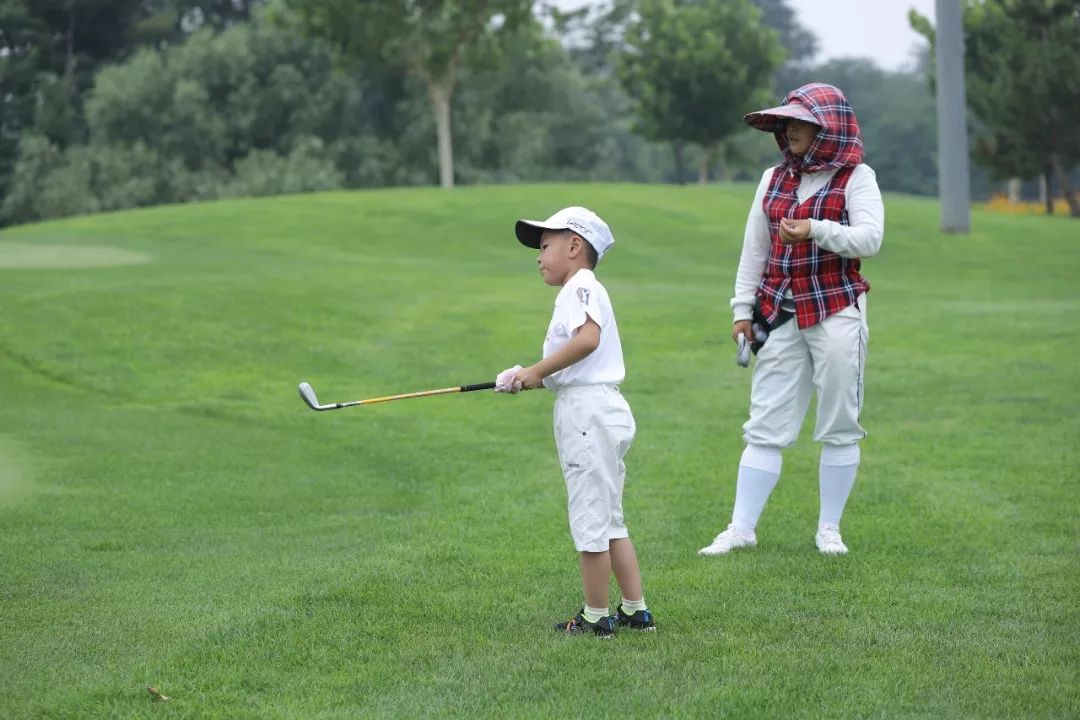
(504, 381)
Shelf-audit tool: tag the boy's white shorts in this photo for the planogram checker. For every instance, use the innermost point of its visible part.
(593, 431)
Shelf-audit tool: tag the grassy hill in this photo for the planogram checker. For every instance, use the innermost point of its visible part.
(171, 515)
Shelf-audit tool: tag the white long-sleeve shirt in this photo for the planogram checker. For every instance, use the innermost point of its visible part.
(859, 239)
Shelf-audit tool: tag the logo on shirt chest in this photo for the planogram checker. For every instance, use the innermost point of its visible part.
(583, 295)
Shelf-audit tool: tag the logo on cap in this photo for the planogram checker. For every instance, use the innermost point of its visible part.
(579, 226)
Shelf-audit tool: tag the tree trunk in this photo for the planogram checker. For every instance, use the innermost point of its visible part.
(440, 94)
(1042, 188)
(721, 158)
(703, 167)
(1066, 186)
(680, 162)
(1048, 189)
(1012, 190)
(69, 59)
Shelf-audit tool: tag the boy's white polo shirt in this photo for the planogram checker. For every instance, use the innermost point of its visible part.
(583, 296)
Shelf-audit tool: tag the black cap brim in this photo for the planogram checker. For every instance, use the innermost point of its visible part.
(528, 234)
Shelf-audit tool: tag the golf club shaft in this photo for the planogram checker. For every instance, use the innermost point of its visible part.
(426, 393)
(307, 393)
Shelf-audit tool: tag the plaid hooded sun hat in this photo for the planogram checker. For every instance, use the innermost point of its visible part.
(838, 142)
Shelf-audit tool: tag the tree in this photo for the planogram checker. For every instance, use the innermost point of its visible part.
(547, 112)
(251, 110)
(432, 39)
(592, 33)
(799, 42)
(694, 68)
(1022, 67)
(164, 22)
(49, 50)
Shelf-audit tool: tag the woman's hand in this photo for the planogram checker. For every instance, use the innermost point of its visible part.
(742, 326)
(793, 231)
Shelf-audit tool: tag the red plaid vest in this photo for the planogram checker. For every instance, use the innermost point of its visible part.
(822, 283)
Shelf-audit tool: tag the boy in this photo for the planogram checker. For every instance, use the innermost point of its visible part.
(594, 427)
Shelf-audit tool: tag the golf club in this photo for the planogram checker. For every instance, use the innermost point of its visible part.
(307, 393)
(745, 347)
(742, 355)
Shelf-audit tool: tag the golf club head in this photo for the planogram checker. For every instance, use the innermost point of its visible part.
(307, 393)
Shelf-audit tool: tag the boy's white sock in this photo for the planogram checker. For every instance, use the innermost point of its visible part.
(836, 476)
(632, 606)
(593, 614)
(759, 470)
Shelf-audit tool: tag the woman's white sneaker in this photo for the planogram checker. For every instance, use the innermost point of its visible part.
(727, 541)
(828, 540)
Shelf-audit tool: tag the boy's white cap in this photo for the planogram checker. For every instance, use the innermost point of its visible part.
(581, 220)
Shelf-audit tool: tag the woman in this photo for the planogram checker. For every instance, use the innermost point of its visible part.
(814, 216)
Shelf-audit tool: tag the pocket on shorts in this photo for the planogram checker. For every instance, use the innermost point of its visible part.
(852, 311)
(567, 419)
(577, 416)
(574, 446)
(620, 415)
(858, 310)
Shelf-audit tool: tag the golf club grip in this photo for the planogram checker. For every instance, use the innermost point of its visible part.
(478, 386)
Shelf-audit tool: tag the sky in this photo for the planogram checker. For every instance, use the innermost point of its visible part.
(876, 29)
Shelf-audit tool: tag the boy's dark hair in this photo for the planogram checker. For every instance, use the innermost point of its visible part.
(590, 251)
(590, 254)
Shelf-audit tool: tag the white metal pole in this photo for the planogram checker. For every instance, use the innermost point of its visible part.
(954, 182)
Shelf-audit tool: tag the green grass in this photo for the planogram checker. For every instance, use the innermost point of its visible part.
(172, 515)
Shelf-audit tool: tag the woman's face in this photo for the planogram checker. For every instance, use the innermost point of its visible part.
(800, 135)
